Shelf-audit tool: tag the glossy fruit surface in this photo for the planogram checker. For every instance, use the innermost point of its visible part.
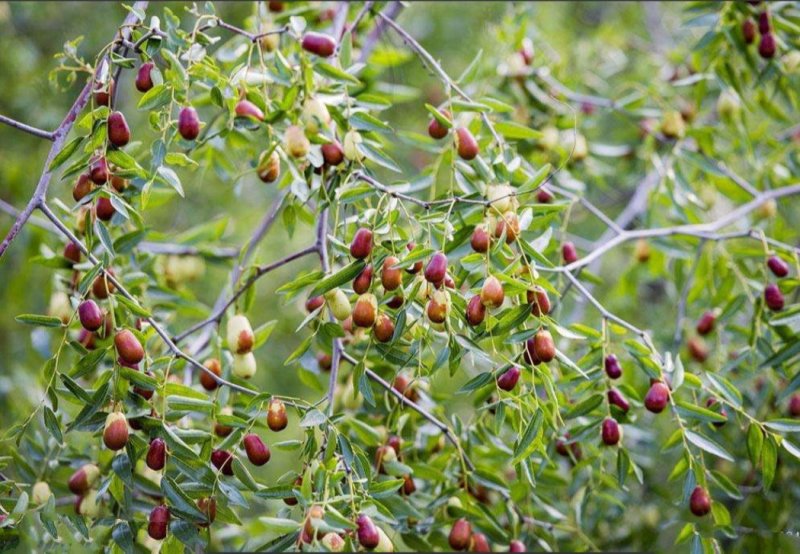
(700, 502)
(657, 397)
(466, 144)
(257, 451)
(319, 44)
(144, 79)
(188, 123)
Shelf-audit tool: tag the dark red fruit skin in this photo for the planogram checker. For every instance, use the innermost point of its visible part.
(314, 302)
(610, 432)
(794, 405)
(276, 415)
(476, 311)
(402, 384)
(128, 347)
(479, 543)
(363, 280)
(119, 134)
(706, 323)
(409, 487)
(480, 240)
(615, 398)
(539, 301)
(332, 153)
(391, 279)
(467, 145)
(98, 171)
(612, 367)
(324, 361)
(361, 247)
(773, 297)
(257, 451)
(103, 97)
(104, 209)
(544, 196)
(72, 252)
(90, 315)
(436, 270)
(517, 546)
(275, 6)
(722, 411)
(383, 329)
(508, 380)
(156, 454)
(115, 435)
(158, 523)
(319, 44)
(657, 397)
(460, 535)
(767, 46)
(700, 502)
(543, 346)
(144, 81)
(223, 461)
(778, 267)
(397, 443)
(188, 123)
(748, 31)
(764, 26)
(395, 302)
(564, 449)
(435, 129)
(697, 349)
(568, 253)
(366, 532)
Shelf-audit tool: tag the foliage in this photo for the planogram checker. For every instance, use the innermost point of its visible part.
(453, 354)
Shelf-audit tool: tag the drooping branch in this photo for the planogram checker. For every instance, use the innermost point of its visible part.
(391, 11)
(443, 427)
(124, 292)
(49, 135)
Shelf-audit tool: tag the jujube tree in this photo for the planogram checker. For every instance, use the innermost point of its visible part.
(487, 382)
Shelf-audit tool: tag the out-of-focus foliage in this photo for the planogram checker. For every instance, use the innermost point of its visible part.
(656, 115)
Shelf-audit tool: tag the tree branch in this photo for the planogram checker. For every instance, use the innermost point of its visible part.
(49, 135)
(59, 138)
(336, 344)
(391, 11)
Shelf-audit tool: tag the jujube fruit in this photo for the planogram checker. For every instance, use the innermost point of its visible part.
(773, 297)
(223, 461)
(83, 479)
(72, 252)
(332, 153)
(435, 128)
(206, 380)
(438, 307)
(365, 310)
(508, 380)
(363, 280)
(41, 493)
(208, 506)
(657, 397)
(257, 451)
(492, 293)
(87, 505)
(480, 240)
(507, 224)
(315, 113)
(361, 246)
(314, 302)
(615, 398)
(115, 432)
(417, 267)
(612, 367)
(794, 405)
(748, 31)
(476, 311)
(366, 532)
(479, 543)
(276, 415)
(239, 334)
(324, 361)
(517, 546)
(764, 26)
(98, 171)
(384, 328)
(221, 429)
(144, 78)
(269, 166)
(391, 278)
(244, 365)
(128, 346)
(466, 144)
(103, 93)
(105, 209)
(83, 186)
(119, 134)
(706, 323)
(436, 270)
(320, 44)
(156, 457)
(90, 315)
(158, 523)
(460, 535)
(568, 253)
(245, 108)
(539, 301)
(700, 502)
(338, 303)
(767, 46)
(543, 346)
(610, 432)
(778, 267)
(188, 123)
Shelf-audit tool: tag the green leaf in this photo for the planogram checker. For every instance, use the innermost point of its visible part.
(168, 176)
(691, 411)
(769, 461)
(477, 382)
(313, 418)
(279, 525)
(784, 425)
(179, 501)
(704, 443)
(122, 535)
(516, 131)
(51, 422)
(585, 406)
(755, 442)
(65, 153)
(526, 443)
(40, 320)
(339, 278)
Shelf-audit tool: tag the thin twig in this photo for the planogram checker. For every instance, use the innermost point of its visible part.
(336, 344)
(41, 133)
